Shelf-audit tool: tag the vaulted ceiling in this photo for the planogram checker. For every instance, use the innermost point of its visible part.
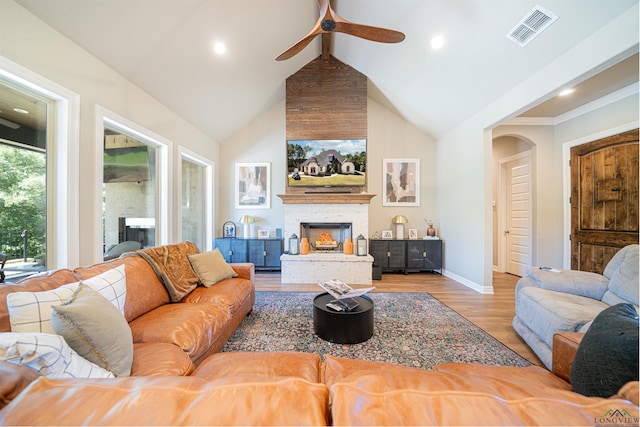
(166, 47)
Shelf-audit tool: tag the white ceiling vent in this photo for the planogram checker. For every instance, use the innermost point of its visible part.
(534, 23)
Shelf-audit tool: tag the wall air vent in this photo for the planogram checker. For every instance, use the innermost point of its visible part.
(534, 23)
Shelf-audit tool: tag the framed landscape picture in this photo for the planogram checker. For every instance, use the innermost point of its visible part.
(253, 185)
(401, 182)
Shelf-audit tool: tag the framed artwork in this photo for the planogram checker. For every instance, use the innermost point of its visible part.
(253, 185)
(263, 234)
(228, 230)
(387, 234)
(413, 233)
(401, 182)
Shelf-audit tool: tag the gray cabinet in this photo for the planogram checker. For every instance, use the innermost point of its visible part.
(424, 255)
(263, 253)
(388, 254)
(407, 255)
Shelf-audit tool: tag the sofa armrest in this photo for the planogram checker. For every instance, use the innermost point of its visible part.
(245, 270)
(565, 345)
(14, 379)
(582, 283)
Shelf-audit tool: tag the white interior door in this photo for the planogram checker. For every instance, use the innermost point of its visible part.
(518, 215)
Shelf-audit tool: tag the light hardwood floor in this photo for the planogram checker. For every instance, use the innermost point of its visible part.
(493, 313)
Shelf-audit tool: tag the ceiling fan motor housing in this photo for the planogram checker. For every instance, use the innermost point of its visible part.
(328, 25)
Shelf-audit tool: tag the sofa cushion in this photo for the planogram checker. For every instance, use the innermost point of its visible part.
(353, 405)
(231, 293)
(95, 329)
(160, 359)
(47, 354)
(192, 327)
(373, 393)
(623, 286)
(607, 357)
(144, 290)
(548, 312)
(620, 258)
(31, 311)
(502, 381)
(211, 267)
(244, 366)
(169, 401)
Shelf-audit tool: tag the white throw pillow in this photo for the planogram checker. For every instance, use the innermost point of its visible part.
(31, 311)
(48, 354)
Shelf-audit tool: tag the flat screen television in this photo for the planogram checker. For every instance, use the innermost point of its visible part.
(126, 165)
(327, 163)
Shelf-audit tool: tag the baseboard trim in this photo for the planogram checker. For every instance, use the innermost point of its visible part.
(468, 283)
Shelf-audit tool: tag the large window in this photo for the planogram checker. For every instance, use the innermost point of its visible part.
(134, 186)
(23, 180)
(56, 141)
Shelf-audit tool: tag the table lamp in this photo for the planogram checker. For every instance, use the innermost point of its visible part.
(399, 221)
(247, 220)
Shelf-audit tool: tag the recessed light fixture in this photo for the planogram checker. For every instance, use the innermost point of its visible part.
(20, 111)
(437, 42)
(219, 48)
(566, 92)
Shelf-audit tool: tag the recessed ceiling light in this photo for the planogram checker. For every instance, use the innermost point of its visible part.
(20, 111)
(437, 42)
(566, 92)
(219, 48)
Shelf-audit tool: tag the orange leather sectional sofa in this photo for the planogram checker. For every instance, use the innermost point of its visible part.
(291, 388)
(179, 377)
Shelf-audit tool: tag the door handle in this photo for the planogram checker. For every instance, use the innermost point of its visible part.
(506, 231)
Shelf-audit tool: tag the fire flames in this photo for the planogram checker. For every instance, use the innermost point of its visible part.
(325, 240)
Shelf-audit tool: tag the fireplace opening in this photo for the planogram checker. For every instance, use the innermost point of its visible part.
(325, 236)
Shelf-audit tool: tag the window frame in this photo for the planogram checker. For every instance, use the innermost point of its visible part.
(163, 174)
(63, 141)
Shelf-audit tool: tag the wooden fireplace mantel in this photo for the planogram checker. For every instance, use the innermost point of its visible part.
(327, 198)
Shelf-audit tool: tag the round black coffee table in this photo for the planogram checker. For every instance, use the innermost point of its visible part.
(343, 327)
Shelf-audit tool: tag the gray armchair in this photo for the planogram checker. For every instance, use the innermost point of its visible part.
(123, 247)
(549, 302)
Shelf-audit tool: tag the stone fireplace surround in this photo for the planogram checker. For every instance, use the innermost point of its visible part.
(321, 266)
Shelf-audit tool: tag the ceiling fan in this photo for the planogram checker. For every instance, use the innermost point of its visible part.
(330, 21)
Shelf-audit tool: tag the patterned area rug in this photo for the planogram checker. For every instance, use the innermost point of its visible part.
(412, 329)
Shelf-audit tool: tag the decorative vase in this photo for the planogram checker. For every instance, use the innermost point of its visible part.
(348, 246)
(304, 246)
(431, 231)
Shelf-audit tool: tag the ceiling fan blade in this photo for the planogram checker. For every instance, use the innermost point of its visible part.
(296, 48)
(304, 42)
(330, 21)
(376, 34)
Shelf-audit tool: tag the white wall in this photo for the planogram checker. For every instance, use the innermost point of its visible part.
(389, 136)
(27, 41)
(464, 155)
